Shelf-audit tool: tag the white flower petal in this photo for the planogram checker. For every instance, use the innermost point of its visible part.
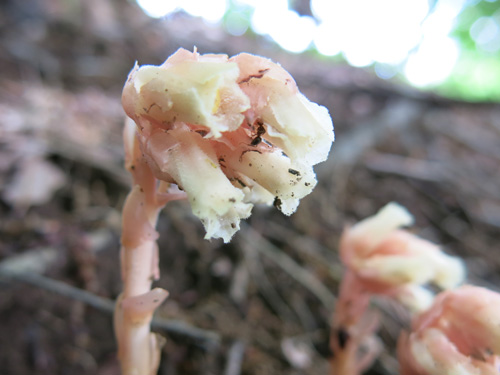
(229, 132)
(183, 156)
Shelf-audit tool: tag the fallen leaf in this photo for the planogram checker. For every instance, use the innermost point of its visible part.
(34, 183)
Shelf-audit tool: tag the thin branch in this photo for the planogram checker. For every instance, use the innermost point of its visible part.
(418, 169)
(396, 116)
(308, 246)
(268, 289)
(300, 274)
(235, 358)
(207, 340)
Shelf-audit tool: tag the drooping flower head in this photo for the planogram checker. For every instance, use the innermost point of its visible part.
(392, 261)
(229, 132)
(459, 334)
(383, 260)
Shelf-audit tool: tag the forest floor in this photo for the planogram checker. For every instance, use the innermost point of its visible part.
(261, 304)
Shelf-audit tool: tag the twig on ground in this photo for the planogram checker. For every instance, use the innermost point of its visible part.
(269, 292)
(235, 358)
(480, 143)
(207, 340)
(300, 274)
(239, 284)
(308, 246)
(406, 167)
(396, 116)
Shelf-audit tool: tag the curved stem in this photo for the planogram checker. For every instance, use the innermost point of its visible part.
(353, 325)
(138, 348)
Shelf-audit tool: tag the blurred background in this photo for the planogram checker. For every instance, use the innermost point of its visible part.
(413, 88)
(451, 45)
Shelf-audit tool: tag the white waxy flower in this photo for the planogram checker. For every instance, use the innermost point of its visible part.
(393, 261)
(458, 334)
(229, 132)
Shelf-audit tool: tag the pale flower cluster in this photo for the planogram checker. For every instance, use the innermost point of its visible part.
(392, 261)
(456, 332)
(383, 260)
(458, 335)
(229, 132)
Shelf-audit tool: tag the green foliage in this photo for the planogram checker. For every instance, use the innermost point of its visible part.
(477, 73)
(476, 76)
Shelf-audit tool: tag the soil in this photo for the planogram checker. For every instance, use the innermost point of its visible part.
(61, 76)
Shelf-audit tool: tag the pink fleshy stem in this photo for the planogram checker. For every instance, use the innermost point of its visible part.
(352, 330)
(138, 348)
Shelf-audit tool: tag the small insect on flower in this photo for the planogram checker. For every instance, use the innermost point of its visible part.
(227, 127)
(260, 130)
